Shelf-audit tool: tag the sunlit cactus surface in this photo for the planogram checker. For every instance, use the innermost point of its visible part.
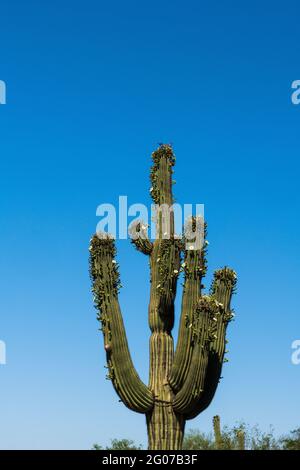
(182, 383)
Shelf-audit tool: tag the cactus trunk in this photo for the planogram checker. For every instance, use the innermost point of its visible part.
(165, 427)
(181, 383)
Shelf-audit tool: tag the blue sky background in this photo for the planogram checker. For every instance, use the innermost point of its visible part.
(92, 87)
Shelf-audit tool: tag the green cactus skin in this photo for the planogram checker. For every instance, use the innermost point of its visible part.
(181, 384)
(240, 435)
(217, 432)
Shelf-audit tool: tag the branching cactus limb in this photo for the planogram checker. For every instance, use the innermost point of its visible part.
(139, 237)
(104, 272)
(204, 332)
(221, 290)
(183, 384)
(194, 267)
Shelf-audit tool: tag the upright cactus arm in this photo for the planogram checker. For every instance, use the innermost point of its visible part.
(203, 332)
(161, 175)
(194, 267)
(221, 292)
(104, 273)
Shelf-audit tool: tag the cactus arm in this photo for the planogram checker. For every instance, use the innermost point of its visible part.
(161, 191)
(104, 273)
(161, 175)
(139, 237)
(194, 267)
(203, 332)
(221, 291)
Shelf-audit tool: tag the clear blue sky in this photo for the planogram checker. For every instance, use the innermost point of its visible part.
(92, 87)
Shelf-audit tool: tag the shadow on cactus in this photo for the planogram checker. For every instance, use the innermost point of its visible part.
(182, 383)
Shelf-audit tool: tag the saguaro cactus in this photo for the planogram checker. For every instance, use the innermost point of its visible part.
(181, 384)
(217, 433)
(235, 440)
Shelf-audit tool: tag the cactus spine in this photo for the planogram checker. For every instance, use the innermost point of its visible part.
(181, 383)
